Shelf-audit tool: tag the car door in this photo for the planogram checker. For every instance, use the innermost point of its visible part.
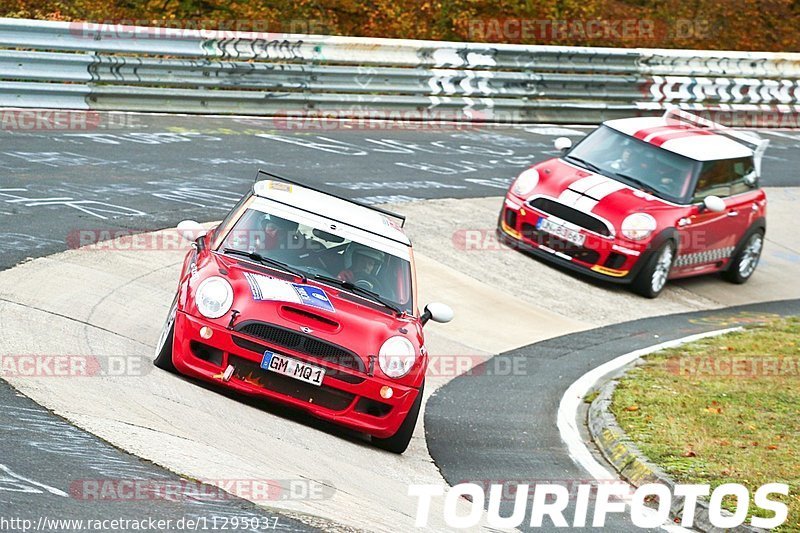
(709, 237)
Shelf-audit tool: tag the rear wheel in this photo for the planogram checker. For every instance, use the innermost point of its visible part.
(653, 277)
(745, 259)
(163, 359)
(398, 442)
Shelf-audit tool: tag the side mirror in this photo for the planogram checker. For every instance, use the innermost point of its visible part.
(191, 230)
(562, 144)
(438, 313)
(715, 204)
(751, 179)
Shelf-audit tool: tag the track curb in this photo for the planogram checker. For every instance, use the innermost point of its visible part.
(631, 464)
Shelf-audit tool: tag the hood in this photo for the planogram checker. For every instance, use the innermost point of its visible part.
(315, 309)
(593, 193)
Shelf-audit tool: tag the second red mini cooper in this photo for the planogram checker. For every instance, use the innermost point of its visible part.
(644, 200)
(309, 299)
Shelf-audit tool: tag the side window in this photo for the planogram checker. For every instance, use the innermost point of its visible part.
(744, 175)
(235, 210)
(715, 179)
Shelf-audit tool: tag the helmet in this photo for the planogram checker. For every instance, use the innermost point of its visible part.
(371, 253)
(283, 224)
(355, 248)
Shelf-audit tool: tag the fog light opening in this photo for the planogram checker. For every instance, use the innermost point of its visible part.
(386, 392)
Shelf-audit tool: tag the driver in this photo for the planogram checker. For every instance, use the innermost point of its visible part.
(280, 237)
(624, 163)
(365, 265)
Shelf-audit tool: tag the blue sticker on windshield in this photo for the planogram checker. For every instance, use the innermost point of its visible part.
(313, 296)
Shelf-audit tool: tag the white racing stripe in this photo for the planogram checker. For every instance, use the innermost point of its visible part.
(584, 184)
(569, 197)
(608, 187)
(567, 419)
(595, 186)
(585, 204)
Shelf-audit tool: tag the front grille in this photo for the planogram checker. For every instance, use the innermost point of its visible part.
(564, 212)
(560, 245)
(301, 343)
(322, 395)
(260, 349)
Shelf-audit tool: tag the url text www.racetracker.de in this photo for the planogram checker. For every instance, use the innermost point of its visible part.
(200, 523)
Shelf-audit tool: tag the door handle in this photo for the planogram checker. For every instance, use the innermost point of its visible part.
(733, 213)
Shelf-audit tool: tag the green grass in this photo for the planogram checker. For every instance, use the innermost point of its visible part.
(591, 396)
(706, 421)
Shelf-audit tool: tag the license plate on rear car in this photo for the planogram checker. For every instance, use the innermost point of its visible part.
(561, 231)
(293, 368)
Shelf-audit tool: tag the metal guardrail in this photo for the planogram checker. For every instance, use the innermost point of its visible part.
(87, 66)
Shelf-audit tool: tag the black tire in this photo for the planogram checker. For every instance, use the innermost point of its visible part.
(163, 358)
(398, 442)
(745, 257)
(652, 279)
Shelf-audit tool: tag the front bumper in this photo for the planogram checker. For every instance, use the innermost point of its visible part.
(599, 257)
(347, 397)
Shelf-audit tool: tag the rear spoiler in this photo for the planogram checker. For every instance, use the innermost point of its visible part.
(747, 138)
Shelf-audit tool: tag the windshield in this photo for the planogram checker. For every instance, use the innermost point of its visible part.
(320, 254)
(637, 163)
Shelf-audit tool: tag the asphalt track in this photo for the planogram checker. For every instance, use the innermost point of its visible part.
(48, 450)
(147, 172)
(520, 443)
(157, 170)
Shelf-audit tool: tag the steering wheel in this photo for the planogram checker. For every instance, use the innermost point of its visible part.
(369, 282)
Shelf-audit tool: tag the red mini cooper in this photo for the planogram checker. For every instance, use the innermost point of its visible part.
(644, 200)
(308, 299)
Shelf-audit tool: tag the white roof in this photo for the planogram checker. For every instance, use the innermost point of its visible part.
(695, 143)
(332, 208)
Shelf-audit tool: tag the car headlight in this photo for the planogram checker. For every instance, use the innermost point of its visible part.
(396, 357)
(214, 297)
(526, 182)
(638, 226)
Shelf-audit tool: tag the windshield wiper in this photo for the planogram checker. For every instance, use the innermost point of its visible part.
(267, 261)
(636, 181)
(360, 291)
(588, 165)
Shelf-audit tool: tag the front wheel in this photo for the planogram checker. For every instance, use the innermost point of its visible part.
(163, 356)
(653, 277)
(398, 442)
(745, 260)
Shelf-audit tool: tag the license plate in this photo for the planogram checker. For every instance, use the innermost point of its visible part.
(293, 368)
(561, 231)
